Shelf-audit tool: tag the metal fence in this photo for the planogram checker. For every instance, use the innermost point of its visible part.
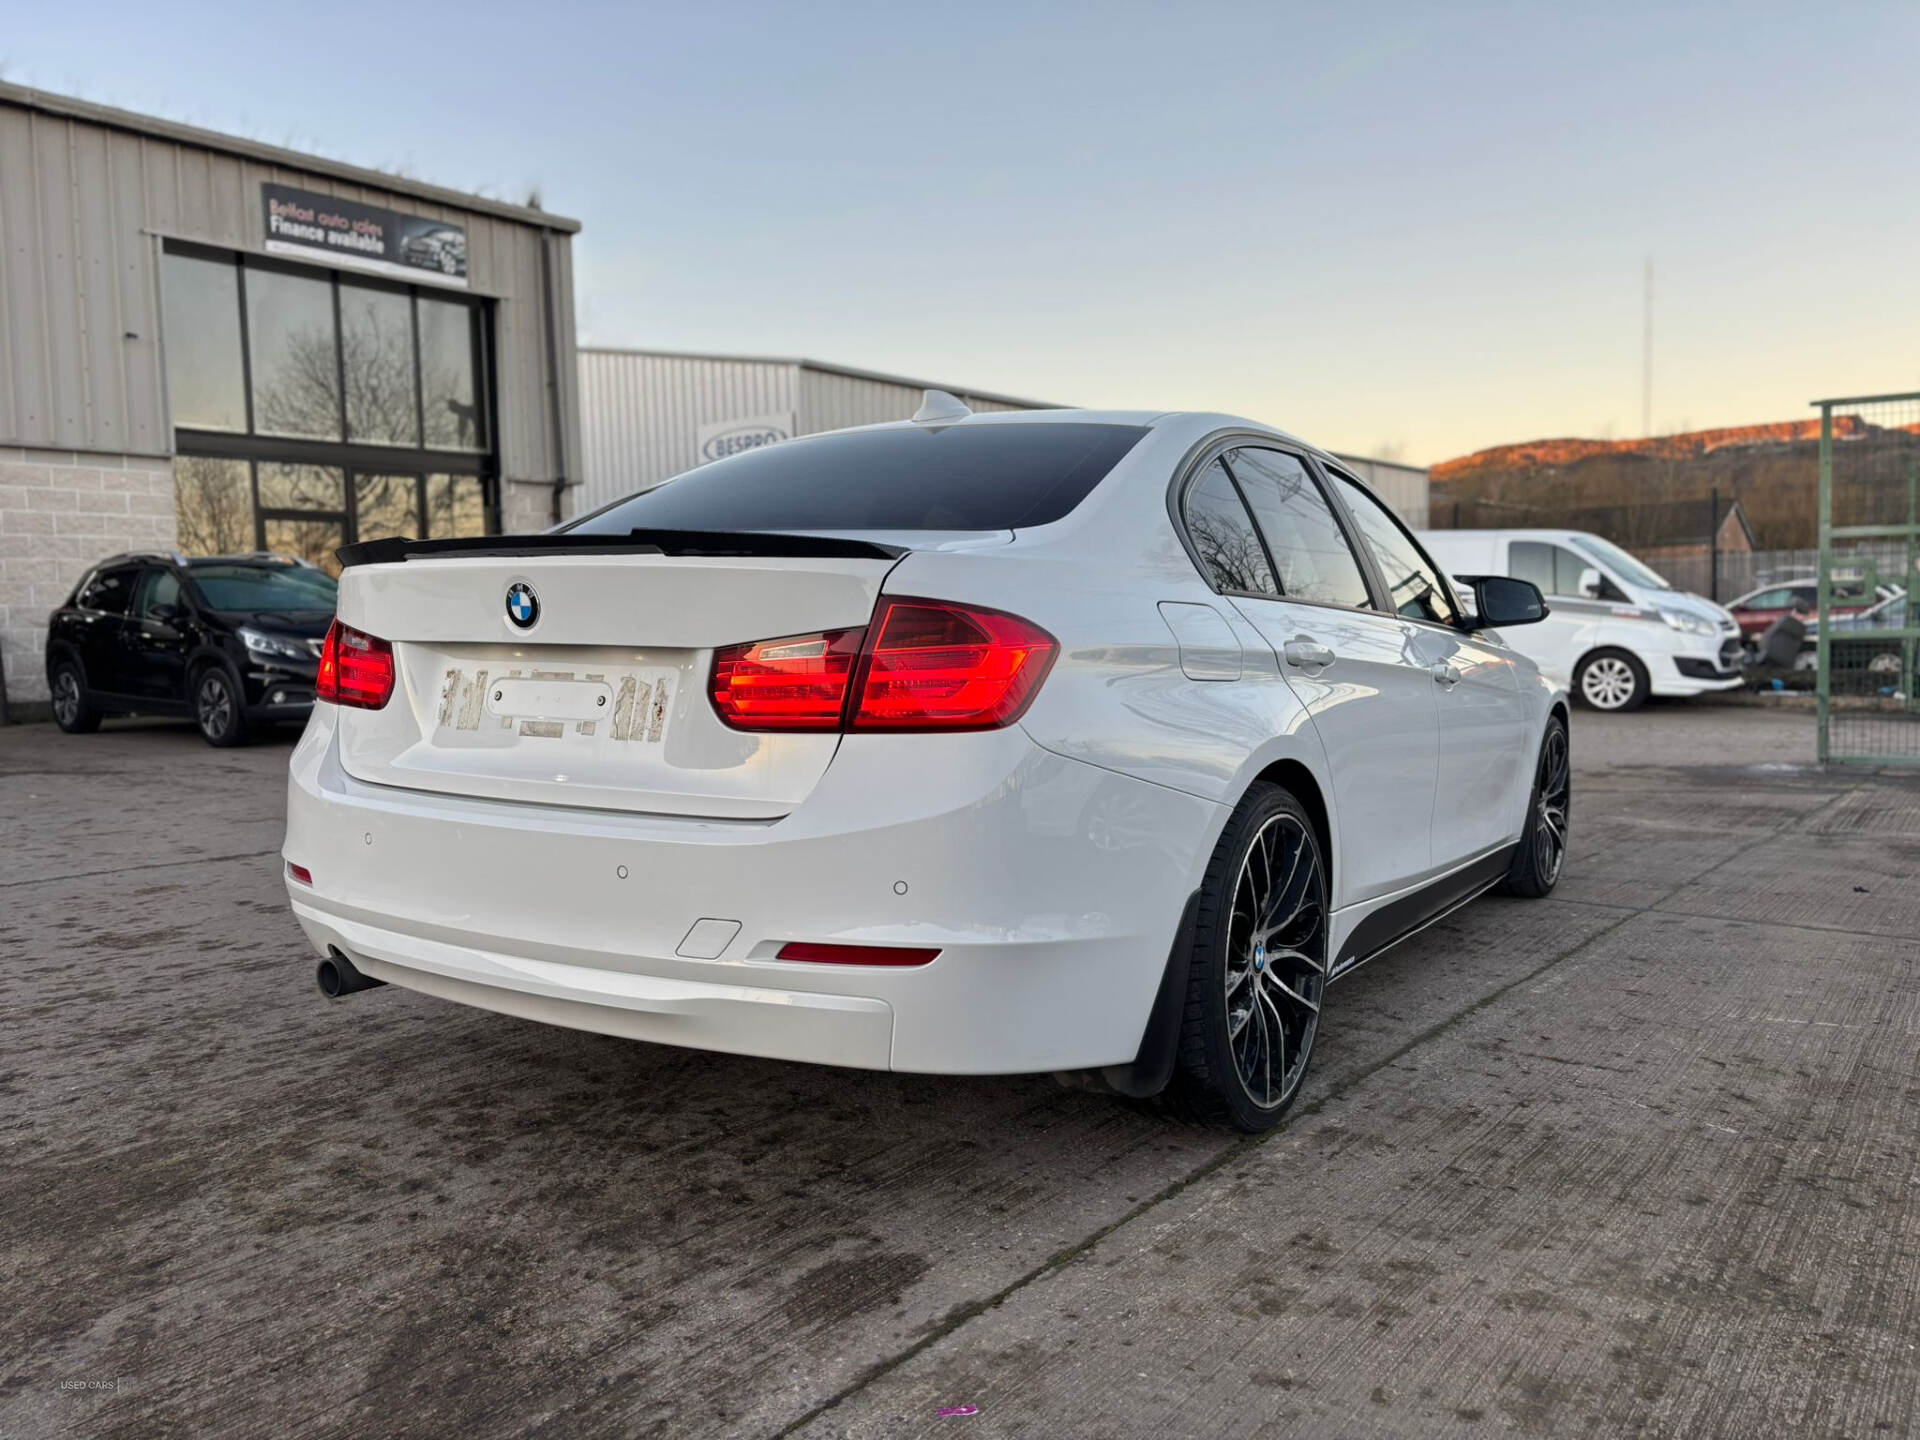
(1870, 534)
(1734, 573)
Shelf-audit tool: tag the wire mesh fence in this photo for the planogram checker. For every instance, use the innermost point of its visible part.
(1869, 545)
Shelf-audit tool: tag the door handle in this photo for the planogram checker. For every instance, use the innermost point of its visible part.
(1308, 653)
(1443, 675)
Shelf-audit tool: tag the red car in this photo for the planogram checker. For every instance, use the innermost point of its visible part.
(1758, 609)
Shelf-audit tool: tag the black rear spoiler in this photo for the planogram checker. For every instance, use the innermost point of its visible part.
(637, 542)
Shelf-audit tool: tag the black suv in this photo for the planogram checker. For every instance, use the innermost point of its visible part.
(232, 640)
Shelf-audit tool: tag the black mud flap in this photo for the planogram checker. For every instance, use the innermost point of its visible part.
(1152, 1068)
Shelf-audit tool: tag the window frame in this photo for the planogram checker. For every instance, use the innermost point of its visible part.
(1217, 447)
(352, 457)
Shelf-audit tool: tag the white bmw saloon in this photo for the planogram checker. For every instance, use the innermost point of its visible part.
(1070, 741)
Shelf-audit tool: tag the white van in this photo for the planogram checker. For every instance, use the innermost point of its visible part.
(1618, 632)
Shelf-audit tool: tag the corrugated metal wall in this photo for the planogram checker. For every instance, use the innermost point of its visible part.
(641, 412)
(1404, 487)
(832, 401)
(80, 205)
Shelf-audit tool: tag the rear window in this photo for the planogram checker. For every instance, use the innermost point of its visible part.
(961, 477)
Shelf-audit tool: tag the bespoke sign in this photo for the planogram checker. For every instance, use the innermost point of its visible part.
(730, 437)
(367, 237)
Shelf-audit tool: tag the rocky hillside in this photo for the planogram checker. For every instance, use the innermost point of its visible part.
(1772, 469)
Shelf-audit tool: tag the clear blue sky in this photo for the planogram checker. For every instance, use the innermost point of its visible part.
(1419, 227)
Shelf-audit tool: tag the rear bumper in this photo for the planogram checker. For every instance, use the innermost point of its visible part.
(1051, 887)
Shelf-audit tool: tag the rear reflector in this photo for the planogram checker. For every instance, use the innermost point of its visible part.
(355, 668)
(796, 683)
(933, 665)
(300, 873)
(855, 954)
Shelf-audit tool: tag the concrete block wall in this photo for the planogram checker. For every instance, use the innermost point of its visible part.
(60, 511)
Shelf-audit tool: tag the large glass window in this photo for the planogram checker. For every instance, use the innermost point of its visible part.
(291, 348)
(376, 357)
(205, 376)
(1223, 534)
(306, 538)
(387, 505)
(456, 506)
(213, 505)
(1306, 542)
(303, 487)
(1415, 587)
(412, 365)
(448, 388)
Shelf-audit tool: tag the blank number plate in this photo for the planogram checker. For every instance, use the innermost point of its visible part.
(550, 700)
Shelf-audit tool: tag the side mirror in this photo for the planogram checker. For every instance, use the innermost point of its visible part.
(1591, 585)
(165, 613)
(1500, 600)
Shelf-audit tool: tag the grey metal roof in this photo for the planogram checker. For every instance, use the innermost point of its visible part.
(827, 368)
(69, 107)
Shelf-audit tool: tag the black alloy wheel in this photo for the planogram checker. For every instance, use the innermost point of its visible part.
(1258, 969)
(1542, 851)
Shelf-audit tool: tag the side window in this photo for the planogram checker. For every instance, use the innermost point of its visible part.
(107, 592)
(157, 587)
(1306, 542)
(1532, 561)
(1223, 534)
(1413, 585)
(1553, 568)
(1566, 573)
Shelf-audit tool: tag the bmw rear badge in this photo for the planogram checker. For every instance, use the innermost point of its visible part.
(523, 606)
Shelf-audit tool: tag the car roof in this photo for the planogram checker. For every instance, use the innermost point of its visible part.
(1144, 419)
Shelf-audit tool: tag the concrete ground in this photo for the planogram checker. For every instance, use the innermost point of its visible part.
(1638, 1158)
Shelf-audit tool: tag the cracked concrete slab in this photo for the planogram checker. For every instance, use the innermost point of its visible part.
(1535, 1136)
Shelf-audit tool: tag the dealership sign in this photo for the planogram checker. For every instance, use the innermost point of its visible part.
(730, 437)
(367, 237)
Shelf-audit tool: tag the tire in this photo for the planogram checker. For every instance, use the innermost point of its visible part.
(1542, 852)
(1611, 680)
(217, 709)
(73, 709)
(1238, 980)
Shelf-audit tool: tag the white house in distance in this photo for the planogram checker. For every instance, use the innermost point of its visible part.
(647, 415)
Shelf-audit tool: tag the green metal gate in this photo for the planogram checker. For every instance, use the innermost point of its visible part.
(1869, 639)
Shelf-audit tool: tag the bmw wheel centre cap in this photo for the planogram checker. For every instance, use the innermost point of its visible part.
(523, 606)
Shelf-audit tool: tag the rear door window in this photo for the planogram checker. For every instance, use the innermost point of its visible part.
(954, 477)
(108, 591)
(1307, 545)
(1224, 536)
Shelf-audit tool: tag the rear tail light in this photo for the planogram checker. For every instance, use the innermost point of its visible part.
(300, 873)
(939, 666)
(921, 665)
(355, 668)
(895, 955)
(797, 683)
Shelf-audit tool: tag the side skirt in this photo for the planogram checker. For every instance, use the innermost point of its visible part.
(1410, 914)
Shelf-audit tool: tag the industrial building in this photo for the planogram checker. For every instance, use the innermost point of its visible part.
(215, 345)
(648, 415)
